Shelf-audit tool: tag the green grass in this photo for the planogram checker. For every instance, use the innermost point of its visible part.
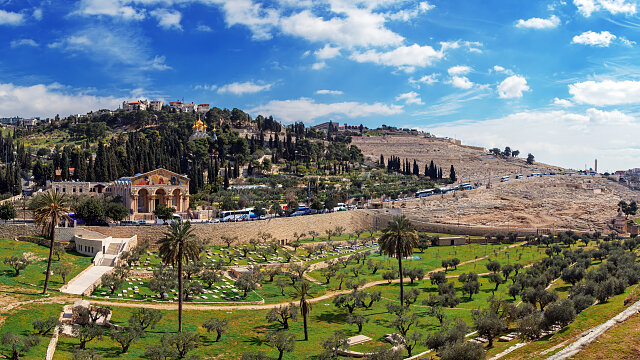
(34, 273)
(20, 321)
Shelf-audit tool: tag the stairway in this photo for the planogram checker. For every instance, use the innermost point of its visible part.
(113, 249)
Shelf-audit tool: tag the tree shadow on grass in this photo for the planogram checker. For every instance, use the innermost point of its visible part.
(332, 318)
(255, 340)
(107, 351)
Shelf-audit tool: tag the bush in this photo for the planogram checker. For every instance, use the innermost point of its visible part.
(581, 302)
(463, 351)
(561, 313)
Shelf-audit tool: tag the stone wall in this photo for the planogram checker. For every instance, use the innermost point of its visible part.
(280, 228)
(12, 231)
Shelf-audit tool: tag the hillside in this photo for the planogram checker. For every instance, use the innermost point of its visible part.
(472, 163)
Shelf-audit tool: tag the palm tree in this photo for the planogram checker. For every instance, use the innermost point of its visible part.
(51, 209)
(178, 245)
(302, 289)
(398, 240)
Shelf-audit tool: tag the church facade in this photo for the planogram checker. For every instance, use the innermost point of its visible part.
(142, 193)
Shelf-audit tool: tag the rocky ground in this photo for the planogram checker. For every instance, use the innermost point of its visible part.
(472, 164)
(556, 202)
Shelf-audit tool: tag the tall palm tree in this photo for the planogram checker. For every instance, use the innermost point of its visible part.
(398, 240)
(178, 245)
(301, 290)
(51, 208)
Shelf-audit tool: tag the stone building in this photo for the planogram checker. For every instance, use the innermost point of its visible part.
(142, 193)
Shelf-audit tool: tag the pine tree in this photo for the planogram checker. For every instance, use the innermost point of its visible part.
(452, 174)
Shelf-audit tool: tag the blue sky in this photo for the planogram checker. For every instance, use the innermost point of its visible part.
(554, 78)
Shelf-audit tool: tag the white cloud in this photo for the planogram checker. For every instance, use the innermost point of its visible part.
(408, 14)
(403, 57)
(240, 88)
(410, 98)
(327, 52)
(461, 82)
(49, 100)
(23, 42)
(602, 39)
(204, 28)
(498, 68)
(359, 27)
(562, 102)
(116, 48)
(427, 79)
(206, 87)
(587, 7)
(558, 137)
(538, 23)
(512, 87)
(329, 92)
(37, 13)
(168, 19)
(113, 8)
(258, 19)
(501, 69)
(459, 70)
(319, 65)
(11, 18)
(607, 92)
(307, 110)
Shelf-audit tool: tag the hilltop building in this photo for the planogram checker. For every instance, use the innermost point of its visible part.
(203, 108)
(155, 105)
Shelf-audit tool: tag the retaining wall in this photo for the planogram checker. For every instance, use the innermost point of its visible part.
(280, 228)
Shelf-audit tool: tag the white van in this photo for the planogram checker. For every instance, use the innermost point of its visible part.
(175, 217)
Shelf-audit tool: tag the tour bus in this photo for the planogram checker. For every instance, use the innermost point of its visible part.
(536, 175)
(237, 215)
(519, 176)
(465, 186)
(175, 217)
(504, 178)
(425, 193)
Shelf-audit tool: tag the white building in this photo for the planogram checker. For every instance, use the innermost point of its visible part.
(155, 105)
(134, 106)
(203, 108)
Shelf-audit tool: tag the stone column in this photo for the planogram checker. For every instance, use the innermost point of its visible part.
(152, 203)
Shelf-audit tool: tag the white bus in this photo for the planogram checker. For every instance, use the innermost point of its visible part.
(425, 192)
(237, 215)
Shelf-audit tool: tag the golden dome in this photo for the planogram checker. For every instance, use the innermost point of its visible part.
(199, 125)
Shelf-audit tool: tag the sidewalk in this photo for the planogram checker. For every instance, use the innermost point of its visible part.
(80, 284)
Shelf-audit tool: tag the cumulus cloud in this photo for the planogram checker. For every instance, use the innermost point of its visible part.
(204, 28)
(538, 23)
(408, 14)
(113, 8)
(427, 79)
(241, 88)
(360, 27)
(307, 110)
(319, 65)
(461, 82)
(562, 102)
(48, 100)
(23, 42)
(411, 97)
(602, 39)
(587, 7)
(327, 52)
(168, 19)
(404, 57)
(459, 70)
(37, 13)
(329, 92)
(11, 18)
(558, 137)
(607, 92)
(512, 87)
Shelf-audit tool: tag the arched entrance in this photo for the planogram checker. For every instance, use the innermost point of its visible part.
(161, 198)
(177, 200)
(143, 201)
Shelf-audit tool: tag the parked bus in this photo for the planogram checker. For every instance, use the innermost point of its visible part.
(426, 192)
(465, 186)
(237, 215)
(504, 178)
